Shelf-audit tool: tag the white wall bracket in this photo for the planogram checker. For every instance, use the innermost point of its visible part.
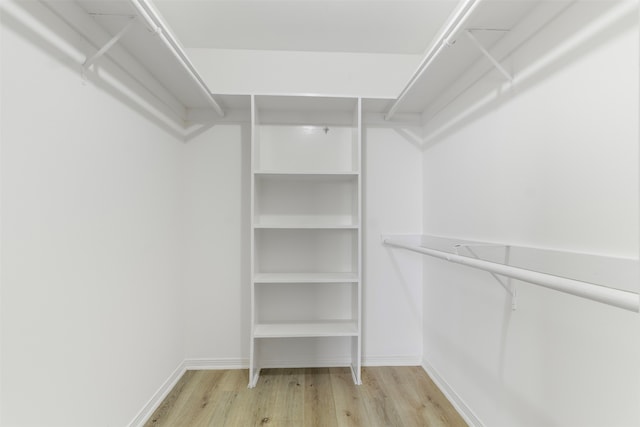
(108, 45)
(507, 285)
(488, 55)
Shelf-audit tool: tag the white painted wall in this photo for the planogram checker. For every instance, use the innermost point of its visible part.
(92, 320)
(551, 163)
(217, 207)
(392, 309)
(229, 71)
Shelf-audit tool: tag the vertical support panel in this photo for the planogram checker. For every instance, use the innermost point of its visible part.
(254, 371)
(1, 215)
(356, 352)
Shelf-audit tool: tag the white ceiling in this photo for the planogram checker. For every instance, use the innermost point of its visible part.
(363, 26)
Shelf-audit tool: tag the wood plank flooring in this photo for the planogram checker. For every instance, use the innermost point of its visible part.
(322, 397)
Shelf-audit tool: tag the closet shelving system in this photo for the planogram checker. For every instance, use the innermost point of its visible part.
(478, 38)
(306, 228)
(306, 154)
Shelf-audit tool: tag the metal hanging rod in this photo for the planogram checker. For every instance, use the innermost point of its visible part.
(615, 297)
(446, 38)
(155, 25)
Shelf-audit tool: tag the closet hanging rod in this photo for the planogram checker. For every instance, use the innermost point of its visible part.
(154, 23)
(615, 297)
(445, 39)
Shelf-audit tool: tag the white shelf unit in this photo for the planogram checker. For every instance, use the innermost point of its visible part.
(306, 197)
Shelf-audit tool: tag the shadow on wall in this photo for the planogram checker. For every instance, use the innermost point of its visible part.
(571, 34)
(38, 25)
(465, 289)
(415, 310)
(506, 398)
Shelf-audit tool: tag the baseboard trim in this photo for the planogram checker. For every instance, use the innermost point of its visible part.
(158, 396)
(215, 364)
(237, 363)
(458, 403)
(304, 363)
(398, 360)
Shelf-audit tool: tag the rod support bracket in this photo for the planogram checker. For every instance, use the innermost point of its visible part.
(506, 284)
(108, 45)
(488, 55)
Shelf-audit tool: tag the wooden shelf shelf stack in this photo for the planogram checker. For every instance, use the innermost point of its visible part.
(306, 233)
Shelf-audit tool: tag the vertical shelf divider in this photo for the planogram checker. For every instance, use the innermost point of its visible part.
(254, 371)
(356, 350)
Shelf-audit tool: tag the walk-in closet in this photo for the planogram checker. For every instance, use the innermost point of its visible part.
(319, 213)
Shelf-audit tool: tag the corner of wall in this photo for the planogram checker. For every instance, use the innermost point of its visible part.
(456, 401)
(157, 398)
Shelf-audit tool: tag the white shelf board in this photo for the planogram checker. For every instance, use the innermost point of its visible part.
(335, 328)
(145, 46)
(305, 173)
(306, 176)
(312, 104)
(461, 65)
(318, 224)
(305, 278)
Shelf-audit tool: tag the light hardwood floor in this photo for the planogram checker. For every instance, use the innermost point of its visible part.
(323, 397)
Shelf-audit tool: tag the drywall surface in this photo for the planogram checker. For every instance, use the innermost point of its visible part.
(217, 192)
(392, 309)
(551, 163)
(304, 73)
(91, 235)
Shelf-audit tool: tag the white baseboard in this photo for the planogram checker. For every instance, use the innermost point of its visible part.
(305, 363)
(463, 409)
(238, 363)
(399, 360)
(231, 363)
(158, 397)
(215, 364)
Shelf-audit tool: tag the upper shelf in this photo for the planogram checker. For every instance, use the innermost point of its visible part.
(477, 38)
(135, 37)
(132, 34)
